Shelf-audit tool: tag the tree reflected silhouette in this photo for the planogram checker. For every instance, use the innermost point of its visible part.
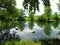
(47, 28)
(31, 24)
(21, 25)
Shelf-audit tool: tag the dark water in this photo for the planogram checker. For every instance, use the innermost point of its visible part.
(21, 30)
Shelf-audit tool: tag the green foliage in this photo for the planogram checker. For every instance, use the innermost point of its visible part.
(46, 3)
(22, 43)
(47, 11)
(55, 16)
(41, 18)
(3, 14)
(59, 5)
(31, 24)
(40, 24)
(9, 11)
(31, 16)
(21, 14)
(17, 13)
(7, 4)
(47, 28)
(21, 25)
(32, 4)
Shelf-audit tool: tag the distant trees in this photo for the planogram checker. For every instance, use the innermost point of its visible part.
(21, 14)
(47, 12)
(59, 5)
(56, 16)
(31, 16)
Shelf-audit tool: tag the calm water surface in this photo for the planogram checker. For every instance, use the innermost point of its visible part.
(21, 30)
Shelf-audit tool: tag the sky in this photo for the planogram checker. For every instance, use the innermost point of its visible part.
(52, 2)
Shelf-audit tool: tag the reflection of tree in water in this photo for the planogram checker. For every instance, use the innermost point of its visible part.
(47, 28)
(12, 24)
(40, 24)
(55, 24)
(21, 25)
(7, 24)
(31, 24)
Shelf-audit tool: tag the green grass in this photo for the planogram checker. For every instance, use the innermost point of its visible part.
(22, 43)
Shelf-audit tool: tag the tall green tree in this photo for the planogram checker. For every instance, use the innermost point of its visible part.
(47, 12)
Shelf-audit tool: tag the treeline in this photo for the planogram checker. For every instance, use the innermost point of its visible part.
(52, 17)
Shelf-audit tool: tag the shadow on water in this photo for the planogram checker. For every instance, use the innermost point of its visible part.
(47, 33)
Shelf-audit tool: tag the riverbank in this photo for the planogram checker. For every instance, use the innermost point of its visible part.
(21, 43)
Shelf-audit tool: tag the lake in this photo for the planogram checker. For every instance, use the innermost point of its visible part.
(22, 30)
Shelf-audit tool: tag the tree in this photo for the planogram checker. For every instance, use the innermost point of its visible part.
(34, 4)
(21, 14)
(7, 4)
(56, 16)
(21, 25)
(47, 13)
(31, 16)
(46, 3)
(59, 5)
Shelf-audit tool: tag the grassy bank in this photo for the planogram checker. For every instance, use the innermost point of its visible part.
(22, 43)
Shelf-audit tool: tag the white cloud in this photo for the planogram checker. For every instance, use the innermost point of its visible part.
(54, 5)
(19, 4)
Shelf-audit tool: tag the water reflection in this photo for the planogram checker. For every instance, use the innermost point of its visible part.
(55, 24)
(47, 28)
(11, 30)
(21, 25)
(31, 24)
